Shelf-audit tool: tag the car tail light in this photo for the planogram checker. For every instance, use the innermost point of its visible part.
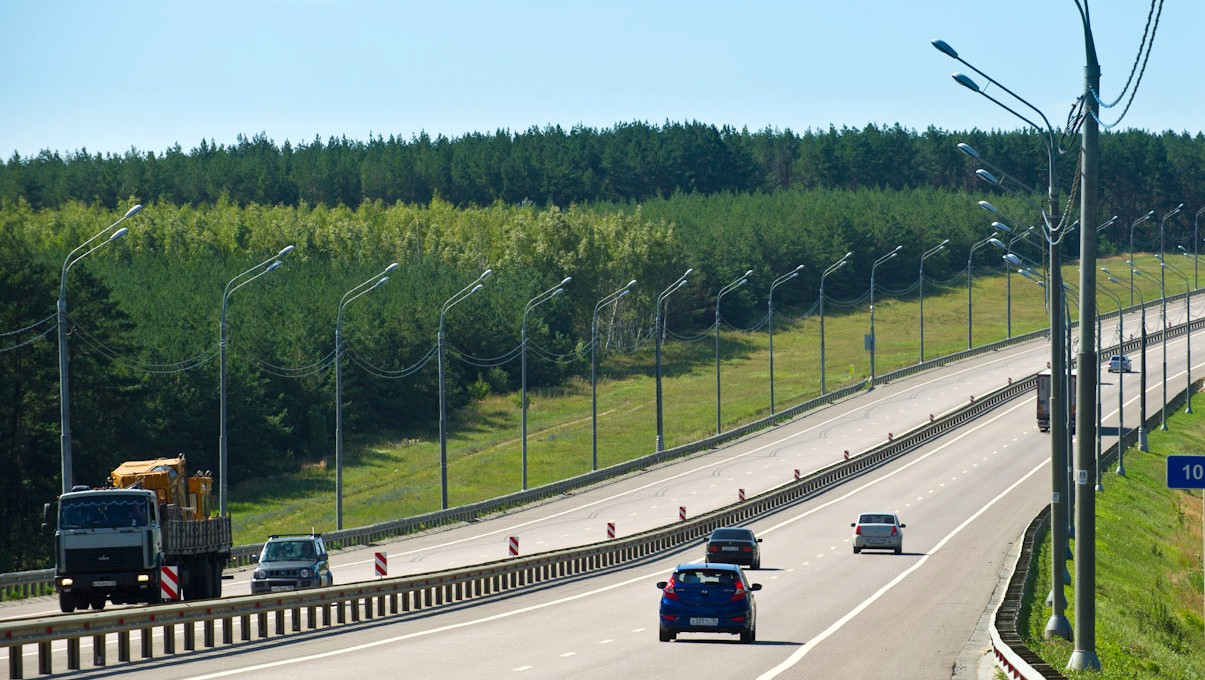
(747, 548)
(858, 530)
(711, 547)
(739, 594)
(738, 619)
(894, 530)
(669, 590)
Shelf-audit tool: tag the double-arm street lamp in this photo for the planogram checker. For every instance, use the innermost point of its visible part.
(832, 268)
(1188, 306)
(1163, 265)
(661, 301)
(531, 304)
(234, 284)
(1163, 221)
(443, 405)
(1196, 241)
(770, 323)
(612, 298)
(1134, 225)
(1142, 446)
(871, 340)
(371, 284)
(970, 281)
(1163, 295)
(1121, 371)
(920, 282)
(64, 375)
(720, 296)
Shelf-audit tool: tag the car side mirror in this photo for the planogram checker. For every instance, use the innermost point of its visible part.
(759, 540)
(323, 557)
(903, 526)
(853, 524)
(255, 559)
(661, 585)
(755, 586)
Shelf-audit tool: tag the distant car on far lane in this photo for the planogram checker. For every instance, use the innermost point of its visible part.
(878, 531)
(733, 545)
(1119, 363)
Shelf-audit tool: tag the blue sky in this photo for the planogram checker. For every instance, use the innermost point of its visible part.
(147, 74)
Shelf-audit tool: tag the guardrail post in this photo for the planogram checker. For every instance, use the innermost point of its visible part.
(146, 640)
(190, 635)
(311, 617)
(207, 629)
(296, 619)
(261, 624)
(44, 665)
(341, 612)
(73, 654)
(123, 646)
(245, 627)
(98, 650)
(16, 667)
(169, 639)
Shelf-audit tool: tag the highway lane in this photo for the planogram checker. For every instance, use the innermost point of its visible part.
(824, 613)
(705, 481)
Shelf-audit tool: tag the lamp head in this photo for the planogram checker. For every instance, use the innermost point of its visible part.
(1013, 259)
(119, 233)
(623, 292)
(748, 274)
(630, 284)
(968, 150)
(275, 264)
(285, 251)
(381, 281)
(133, 211)
(391, 267)
(988, 207)
(987, 177)
(847, 256)
(689, 271)
(1000, 226)
(483, 275)
(567, 279)
(996, 242)
(476, 288)
(944, 48)
(965, 81)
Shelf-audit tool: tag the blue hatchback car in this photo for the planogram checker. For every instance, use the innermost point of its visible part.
(708, 598)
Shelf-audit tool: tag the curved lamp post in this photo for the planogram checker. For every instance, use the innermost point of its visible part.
(371, 284)
(770, 323)
(1163, 295)
(531, 304)
(920, 280)
(1196, 241)
(1188, 306)
(613, 297)
(1188, 334)
(873, 342)
(1121, 471)
(720, 296)
(1134, 225)
(64, 375)
(657, 344)
(970, 317)
(832, 268)
(1162, 277)
(234, 284)
(1142, 446)
(443, 404)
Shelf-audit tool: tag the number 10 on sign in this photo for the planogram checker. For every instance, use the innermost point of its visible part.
(1186, 472)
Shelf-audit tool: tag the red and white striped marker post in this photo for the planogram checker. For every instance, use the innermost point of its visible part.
(610, 529)
(797, 474)
(514, 546)
(169, 582)
(682, 513)
(741, 495)
(382, 564)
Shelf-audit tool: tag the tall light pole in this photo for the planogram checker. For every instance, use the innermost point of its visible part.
(1141, 371)
(531, 304)
(613, 297)
(920, 282)
(1188, 334)
(1174, 211)
(64, 374)
(970, 281)
(872, 339)
(1196, 241)
(720, 296)
(1188, 306)
(371, 284)
(1134, 225)
(1008, 272)
(1058, 625)
(770, 323)
(832, 268)
(1121, 471)
(657, 345)
(443, 401)
(234, 284)
(1163, 295)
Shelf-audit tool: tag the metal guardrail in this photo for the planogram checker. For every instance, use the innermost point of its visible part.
(398, 596)
(41, 581)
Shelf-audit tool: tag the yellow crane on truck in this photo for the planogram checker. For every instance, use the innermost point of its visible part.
(111, 543)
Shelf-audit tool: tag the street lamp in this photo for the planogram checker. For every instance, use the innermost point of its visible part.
(920, 280)
(1121, 471)
(1174, 211)
(613, 297)
(1163, 295)
(1196, 241)
(720, 296)
(1142, 446)
(661, 301)
(371, 284)
(255, 272)
(970, 317)
(531, 304)
(872, 343)
(770, 323)
(832, 268)
(64, 377)
(443, 403)
(1188, 306)
(1058, 625)
(1188, 334)
(1134, 225)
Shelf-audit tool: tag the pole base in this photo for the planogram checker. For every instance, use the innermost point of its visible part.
(1084, 660)
(1121, 471)
(1058, 626)
(660, 443)
(1142, 440)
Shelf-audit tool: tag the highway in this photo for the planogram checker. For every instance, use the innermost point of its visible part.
(824, 612)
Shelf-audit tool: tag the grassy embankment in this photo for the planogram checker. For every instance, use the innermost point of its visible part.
(387, 479)
(1148, 570)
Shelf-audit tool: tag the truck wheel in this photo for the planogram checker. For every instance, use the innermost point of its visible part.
(97, 601)
(66, 602)
(215, 589)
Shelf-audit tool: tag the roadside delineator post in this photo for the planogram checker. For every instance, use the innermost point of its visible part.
(741, 495)
(382, 564)
(682, 513)
(514, 546)
(169, 582)
(610, 529)
(797, 474)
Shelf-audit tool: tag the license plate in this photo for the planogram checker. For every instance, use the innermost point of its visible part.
(703, 621)
(730, 548)
(277, 589)
(104, 584)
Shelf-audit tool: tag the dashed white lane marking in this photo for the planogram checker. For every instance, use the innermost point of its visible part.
(568, 654)
(522, 668)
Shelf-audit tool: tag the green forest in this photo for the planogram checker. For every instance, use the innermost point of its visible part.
(605, 207)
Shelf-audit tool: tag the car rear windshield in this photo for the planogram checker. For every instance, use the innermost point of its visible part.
(732, 535)
(706, 576)
(876, 519)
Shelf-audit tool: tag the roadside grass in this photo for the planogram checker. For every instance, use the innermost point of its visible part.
(397, 474)
(1148, 571)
